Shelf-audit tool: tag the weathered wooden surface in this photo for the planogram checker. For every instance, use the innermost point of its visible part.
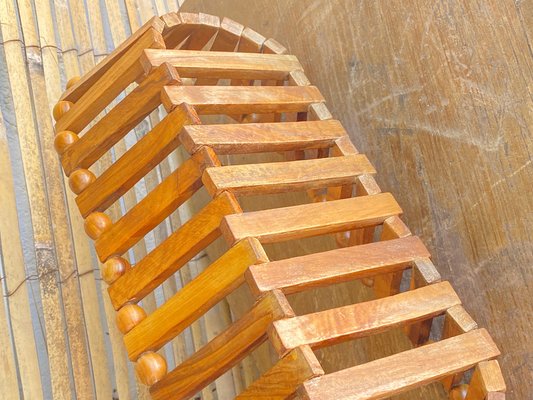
(438, 96)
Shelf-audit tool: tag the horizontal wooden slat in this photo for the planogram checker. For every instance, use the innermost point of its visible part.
(358, 320)
(296, 274)
(119, 120)
(173, 253)
(279, 177)
(212, 285)
(149, 151)
(178, 27)
(224, 351)
(126, 70)
(77, 90)
(242, 99)
(227, 39)
(285, 376)
(401, 372)
(311, 219)
(222, 65)
(176, 188)
(259, 138)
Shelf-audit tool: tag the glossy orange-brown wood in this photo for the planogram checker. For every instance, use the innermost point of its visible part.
(262, 137)
(74, 92)
(136, 162)
(129, 316)
(310, 219)
(279, 382)
(119, 120)
(340, 265)
(401, 372)
(279, 177)
(197, 297)
(150, 368)
(126, 70)
(224, 351)
(155, 207)
(358, 320)
(173, 253)
(236, 100)
(222, 65)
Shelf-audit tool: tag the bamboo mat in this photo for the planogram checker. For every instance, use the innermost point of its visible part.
(58, 338)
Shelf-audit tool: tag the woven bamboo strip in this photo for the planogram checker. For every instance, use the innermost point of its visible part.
(42, 233)
(8, 374)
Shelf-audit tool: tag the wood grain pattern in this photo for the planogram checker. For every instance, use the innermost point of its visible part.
(227, 39)
(487, 378)
(76, 91)
(125, 71)
(147, 153)
(426, 90)
(310, 219)
(264, 137)
(329, 327)
(155, 207)
(279, 382)
(296, 274)
(173, 253)
(195, 299)
(280, 177)
(224, 351)
(222, 65)
(119, 121)
(236, 100)
(401, 372)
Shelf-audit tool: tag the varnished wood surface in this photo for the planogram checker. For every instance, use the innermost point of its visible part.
(222, 65)
(223, 351)
(236, 100)
(173, 253)
(155, 207)
(119, 121)
(281, 177)
(148, 152)
(264, 137)
(398, 373)
(308, 220)
(295, 274)
(438, 95)
(190, 303)
(350, 322)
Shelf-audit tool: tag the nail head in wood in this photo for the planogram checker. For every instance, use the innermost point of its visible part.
(114, 268)
(80, 179)
(96, 224)
(129, 316)
(61, 108)
(63, 140)
(150, 368)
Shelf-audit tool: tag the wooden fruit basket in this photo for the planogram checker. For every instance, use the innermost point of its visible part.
(184, 62)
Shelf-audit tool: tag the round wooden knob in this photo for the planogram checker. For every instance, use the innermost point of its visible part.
(64, 139)
(150, 368)
(114, 268)
(96, 224)
(61, 108)
(72, 81)
(129, 316)
(80, 179)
